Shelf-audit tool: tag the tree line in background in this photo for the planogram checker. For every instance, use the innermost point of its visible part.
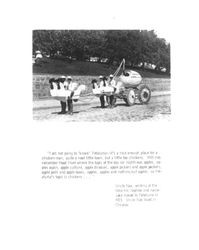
(136, 46)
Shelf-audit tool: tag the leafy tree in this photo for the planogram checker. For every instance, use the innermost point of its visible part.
(136, 46)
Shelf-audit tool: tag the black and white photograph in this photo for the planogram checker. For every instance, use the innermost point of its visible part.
(99, 125)
(100, 75)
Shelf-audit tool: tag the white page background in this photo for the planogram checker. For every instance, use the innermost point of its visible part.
(78, 214)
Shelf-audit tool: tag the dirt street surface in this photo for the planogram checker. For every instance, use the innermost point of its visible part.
(88, 109)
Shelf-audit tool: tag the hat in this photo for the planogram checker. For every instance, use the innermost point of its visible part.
(111, 75)
(100, 77)
(69, 77)
(63, 77)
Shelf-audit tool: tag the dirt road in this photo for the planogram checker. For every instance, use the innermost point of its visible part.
(87, 109)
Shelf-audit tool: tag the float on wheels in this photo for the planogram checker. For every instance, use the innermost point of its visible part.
(132, 88)
(129, 87)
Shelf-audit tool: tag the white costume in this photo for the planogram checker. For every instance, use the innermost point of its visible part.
(54, 91)
(72, 86)
(118, 85)
(62, 90)
(101, 84)
(66, 89)
(113, 83)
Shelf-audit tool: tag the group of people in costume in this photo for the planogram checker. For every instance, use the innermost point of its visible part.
(66, 83)
(102, 85)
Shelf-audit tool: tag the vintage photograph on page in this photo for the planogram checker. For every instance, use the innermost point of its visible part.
(92, 153)
(100, 75)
